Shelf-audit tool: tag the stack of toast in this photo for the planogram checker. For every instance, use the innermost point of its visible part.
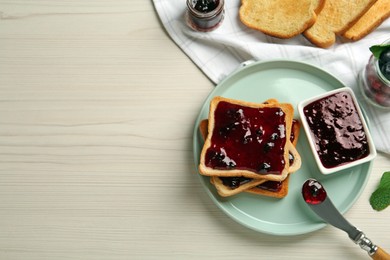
(249, 147)
(320, 21)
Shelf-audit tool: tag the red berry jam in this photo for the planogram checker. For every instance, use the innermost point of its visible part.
(313, 192)
(247, 138)
(337, 129)
(295, 124)
(273, 186)
(234, 182)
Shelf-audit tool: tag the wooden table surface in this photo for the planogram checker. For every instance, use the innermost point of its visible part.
(97, 106)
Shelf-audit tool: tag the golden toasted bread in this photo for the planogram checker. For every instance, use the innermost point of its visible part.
(273, 189)
(318, 5)
(334, 19)
(274, 116)
(379, 12)
(295, 158)
(282, 19)
(228, 186)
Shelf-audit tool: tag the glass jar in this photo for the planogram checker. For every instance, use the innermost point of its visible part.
(204, 15)
(374, 85)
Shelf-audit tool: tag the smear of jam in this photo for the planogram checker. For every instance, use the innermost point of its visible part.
(313, 192)
(247, 138)
(291, 158)
(337, 129)
(205, 6)
(295, 124)
(273, 186)
(234, 182)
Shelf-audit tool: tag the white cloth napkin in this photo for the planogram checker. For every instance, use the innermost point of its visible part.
(220, 52)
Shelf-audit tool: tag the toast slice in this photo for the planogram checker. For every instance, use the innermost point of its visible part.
(280, 189)
(247, 139)
(275, 189)
(282, 19)
(225, 185)
(379, 12)
(228, 186)
(334, 19)
(294, 156)
(317, 5)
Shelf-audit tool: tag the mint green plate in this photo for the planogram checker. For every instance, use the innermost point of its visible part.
(291, 82)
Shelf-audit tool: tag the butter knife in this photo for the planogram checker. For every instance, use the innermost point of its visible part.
(315, 196)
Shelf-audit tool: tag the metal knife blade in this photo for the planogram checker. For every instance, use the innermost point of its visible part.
(316, 197)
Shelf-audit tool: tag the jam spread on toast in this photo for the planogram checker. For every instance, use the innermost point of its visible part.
(295, 124)
(247, 138)
(234, 182)
(273, 186)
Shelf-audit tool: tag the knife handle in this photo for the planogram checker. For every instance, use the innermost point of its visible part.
(380, 254)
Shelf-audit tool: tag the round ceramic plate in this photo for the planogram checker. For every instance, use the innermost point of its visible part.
(289, 82)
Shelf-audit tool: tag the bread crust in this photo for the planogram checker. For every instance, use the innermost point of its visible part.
(226, 191)
(269, 193)
(379, 12)
(297, 162)
(334, 19)
(207, 171)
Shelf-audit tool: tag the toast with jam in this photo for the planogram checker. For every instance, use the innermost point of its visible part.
(279, 189)
(247, 139)
(228, 186)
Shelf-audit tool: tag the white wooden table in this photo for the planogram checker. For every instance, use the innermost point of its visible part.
(97, 106)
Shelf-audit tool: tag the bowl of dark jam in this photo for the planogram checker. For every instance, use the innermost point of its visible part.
(336, 129)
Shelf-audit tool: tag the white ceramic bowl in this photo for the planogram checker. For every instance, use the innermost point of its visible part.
(311, 138)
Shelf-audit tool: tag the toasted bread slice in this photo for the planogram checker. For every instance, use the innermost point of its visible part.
(295, 158)
(228, 186)
(379, 12)
(317, 5)
(282, 19)
(273, 189)
(280, 189)
(249, 118)
(222, 189)
(334, 19)
(225, 186)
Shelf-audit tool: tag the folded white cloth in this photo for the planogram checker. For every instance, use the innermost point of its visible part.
(220, 52)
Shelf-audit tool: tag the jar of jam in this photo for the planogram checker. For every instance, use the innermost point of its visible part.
(204, 15)
(375, 82)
